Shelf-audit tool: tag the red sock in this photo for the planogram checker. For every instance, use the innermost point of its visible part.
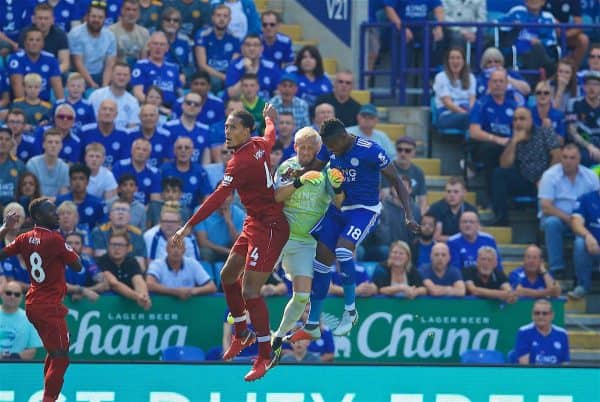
(54, 376)
(259, 316)
(235, 302)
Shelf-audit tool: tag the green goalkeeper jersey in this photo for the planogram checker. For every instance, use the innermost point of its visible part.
(306, 205)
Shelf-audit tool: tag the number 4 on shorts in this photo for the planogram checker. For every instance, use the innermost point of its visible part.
(254, 256)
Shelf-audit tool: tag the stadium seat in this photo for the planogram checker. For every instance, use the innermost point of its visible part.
(482, 356)
(182, 353)
(431, 167)
(330, 66)
(393, 130)
(294, 31)
(214, 354)
(512, 357)
(362, 96)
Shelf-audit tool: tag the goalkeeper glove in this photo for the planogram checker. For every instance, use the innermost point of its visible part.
(336, 178)
(311, 177)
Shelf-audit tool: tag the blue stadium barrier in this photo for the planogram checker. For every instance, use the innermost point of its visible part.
(398, 70)
(482, 357)
(182, 353)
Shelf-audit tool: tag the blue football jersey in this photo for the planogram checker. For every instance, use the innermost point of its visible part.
(148, 180)
(160, 142)
(46, 66)
(117, 144)
(195, 182)
(219, 52)
(166, 77)
(200, 135)
(361, 166)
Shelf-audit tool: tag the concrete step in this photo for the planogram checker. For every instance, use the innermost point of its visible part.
(362, 96)
(575, 306)
(330, 66)
(585, 355)
(299, 44)
(577, 319)
(436, 182)
(510, 266)
(584, 339)
(393, 130)
(294, 31)
(512, 252)
(433, 196)
(430, 166)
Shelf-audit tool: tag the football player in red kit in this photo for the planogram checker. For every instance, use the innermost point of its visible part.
(46, 254)
(265, 232)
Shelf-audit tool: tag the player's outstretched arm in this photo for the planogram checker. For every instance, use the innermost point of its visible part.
(210, 204)
(270, 115)
(389, 172)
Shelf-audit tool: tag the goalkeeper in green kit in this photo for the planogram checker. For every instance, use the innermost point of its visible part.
(305, 198)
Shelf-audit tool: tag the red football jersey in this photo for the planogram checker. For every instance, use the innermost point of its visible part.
(248, 172)
(45, 253)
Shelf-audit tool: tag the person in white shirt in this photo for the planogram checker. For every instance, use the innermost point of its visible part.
(178, 276)
(128, 107)
(102, 182)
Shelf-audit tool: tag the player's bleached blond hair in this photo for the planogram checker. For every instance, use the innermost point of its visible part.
(16, 207)
(32, 79)
(308, 134)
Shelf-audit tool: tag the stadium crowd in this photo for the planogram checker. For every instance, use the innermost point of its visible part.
(115, 109)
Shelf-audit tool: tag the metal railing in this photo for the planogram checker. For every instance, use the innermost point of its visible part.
(399, 70)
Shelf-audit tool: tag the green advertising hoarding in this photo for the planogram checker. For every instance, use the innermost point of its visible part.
(162, 382)
(389, 330)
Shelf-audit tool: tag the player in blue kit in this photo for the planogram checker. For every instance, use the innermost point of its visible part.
(340, 231)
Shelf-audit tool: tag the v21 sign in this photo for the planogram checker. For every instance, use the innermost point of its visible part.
(335, 15)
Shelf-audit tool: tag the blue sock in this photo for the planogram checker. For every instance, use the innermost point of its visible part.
(348, 271)
(320, 287)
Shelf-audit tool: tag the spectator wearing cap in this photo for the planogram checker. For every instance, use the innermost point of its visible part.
(367, 120)
(287, 101)
(583, 117)
(345, 107)
(405, 152)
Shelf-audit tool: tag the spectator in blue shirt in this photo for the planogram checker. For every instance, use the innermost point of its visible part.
(194, 14)
(310, 74)
(583, 116)
(277, 46)
(439, 278)
(89, 282)
(115, 142)
(32, 59)
(541, 342)
(156, 70)
(180, 45)
(402, 12)
(84, 111)
(252, 62)
(92, 210)
(14, 17)
(64, 119)
(159, 138)
(465, 244)
(148, 177)
(559, 188)
(585, 223)
(491, 123)
(532, 279)
(219, 231)
(545, 115)
(422, 245)
(536, 47)
(215, 47)
(493, 59)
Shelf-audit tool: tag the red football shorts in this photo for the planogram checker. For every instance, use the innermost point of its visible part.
(50, 322)
(262, 243)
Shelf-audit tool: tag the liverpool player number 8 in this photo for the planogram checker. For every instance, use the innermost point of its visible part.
(37, 271)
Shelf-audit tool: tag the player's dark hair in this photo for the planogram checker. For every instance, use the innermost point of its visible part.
(244, 117)
(200, 75)
(125, 177)
(331, 128)
(172, 182)
(34, 206)
(80, 168)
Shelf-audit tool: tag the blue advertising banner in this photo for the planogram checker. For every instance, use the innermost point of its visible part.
(22, 382)
(335, 15)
